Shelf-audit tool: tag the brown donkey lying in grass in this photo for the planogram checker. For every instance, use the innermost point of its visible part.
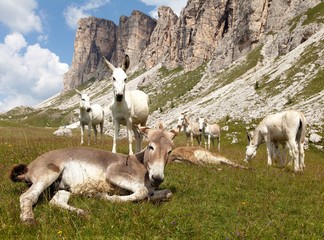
(198, 155)
(96, 172)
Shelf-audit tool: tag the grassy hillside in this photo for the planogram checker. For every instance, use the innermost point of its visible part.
(209, 201)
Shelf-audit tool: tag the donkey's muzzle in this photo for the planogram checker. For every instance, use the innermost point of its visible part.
(119, 97)
(156, 180)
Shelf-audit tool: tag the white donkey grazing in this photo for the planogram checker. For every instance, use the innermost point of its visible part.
(191, 129)
(90, 115)
(287, 128)
(95, 172)
(210, 132)
(128, 108)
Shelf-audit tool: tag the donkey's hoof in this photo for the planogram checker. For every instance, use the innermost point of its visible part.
(168, 195)
(82, 213)
(29, 221)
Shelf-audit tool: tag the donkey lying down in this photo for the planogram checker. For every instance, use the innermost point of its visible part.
(198, 155)
(96, 172)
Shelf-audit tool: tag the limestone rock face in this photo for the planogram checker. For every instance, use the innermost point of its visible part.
(94, 38)
(133, 36)
(215, 31)
(164, 34)
(99, 37)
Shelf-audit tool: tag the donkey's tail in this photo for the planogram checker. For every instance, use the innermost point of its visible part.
(301, 132)
(18, 173)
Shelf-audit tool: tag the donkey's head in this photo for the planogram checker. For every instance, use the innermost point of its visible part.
(119, 78)
(251, 149)
(84, 101)
(182, 121)
(202, 124)
(156, 155)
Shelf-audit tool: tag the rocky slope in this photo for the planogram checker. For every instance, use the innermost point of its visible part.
(206, 30)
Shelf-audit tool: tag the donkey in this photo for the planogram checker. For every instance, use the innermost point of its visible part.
(95, 172)
(128, 108)
(287, 128)
(90, 115)
(191, 129)
(210, 132)
(197, 155)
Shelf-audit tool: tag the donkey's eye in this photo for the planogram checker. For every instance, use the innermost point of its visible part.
(114, 79)
(151, 147)
(83, 99)
(169, 152)
(125, 79)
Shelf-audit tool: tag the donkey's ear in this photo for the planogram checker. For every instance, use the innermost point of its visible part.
(174, 132)
(126, 63)
(143, 130)
(78, 92)
(109, 65)
(160, 125)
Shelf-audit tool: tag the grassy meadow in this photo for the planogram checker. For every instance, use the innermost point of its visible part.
(208, 202)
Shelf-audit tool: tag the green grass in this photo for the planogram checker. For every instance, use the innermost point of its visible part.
(176, 87)
(314, 14)
(209, 202)
(231, 74)
(314, 85)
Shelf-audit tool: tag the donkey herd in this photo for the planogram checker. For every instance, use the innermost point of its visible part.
(119, 177)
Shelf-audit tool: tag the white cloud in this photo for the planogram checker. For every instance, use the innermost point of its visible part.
(28, 73)
(20, 16)
(176, 5)
(74, 12)
(15, 42)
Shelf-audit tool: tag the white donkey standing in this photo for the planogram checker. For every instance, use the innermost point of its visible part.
(95, 172)
(287, 128)
(128, 108)
(191, 129)
(90, 115)
(210, 132)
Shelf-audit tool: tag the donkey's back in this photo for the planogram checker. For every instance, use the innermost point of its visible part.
(81, 170)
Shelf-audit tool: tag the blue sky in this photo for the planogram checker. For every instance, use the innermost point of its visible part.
(37, 38)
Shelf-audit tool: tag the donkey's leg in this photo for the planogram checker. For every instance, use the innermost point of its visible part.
(191, 139)
(269, 151)
(82, 130)
(61, 198)
(101, 132)
(28, 199)
(218, 145)
(130, 137)
(208, 142)
(95, 133)
(116, 128)
(212, 138)
(188, 139)
(293, 151)
(301, 156)
(159, 195)
(138, 140)
(140, 192)
(89, 132)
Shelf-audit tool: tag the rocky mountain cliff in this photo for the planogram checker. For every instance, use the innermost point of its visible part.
(99, 37)
(220, 31)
